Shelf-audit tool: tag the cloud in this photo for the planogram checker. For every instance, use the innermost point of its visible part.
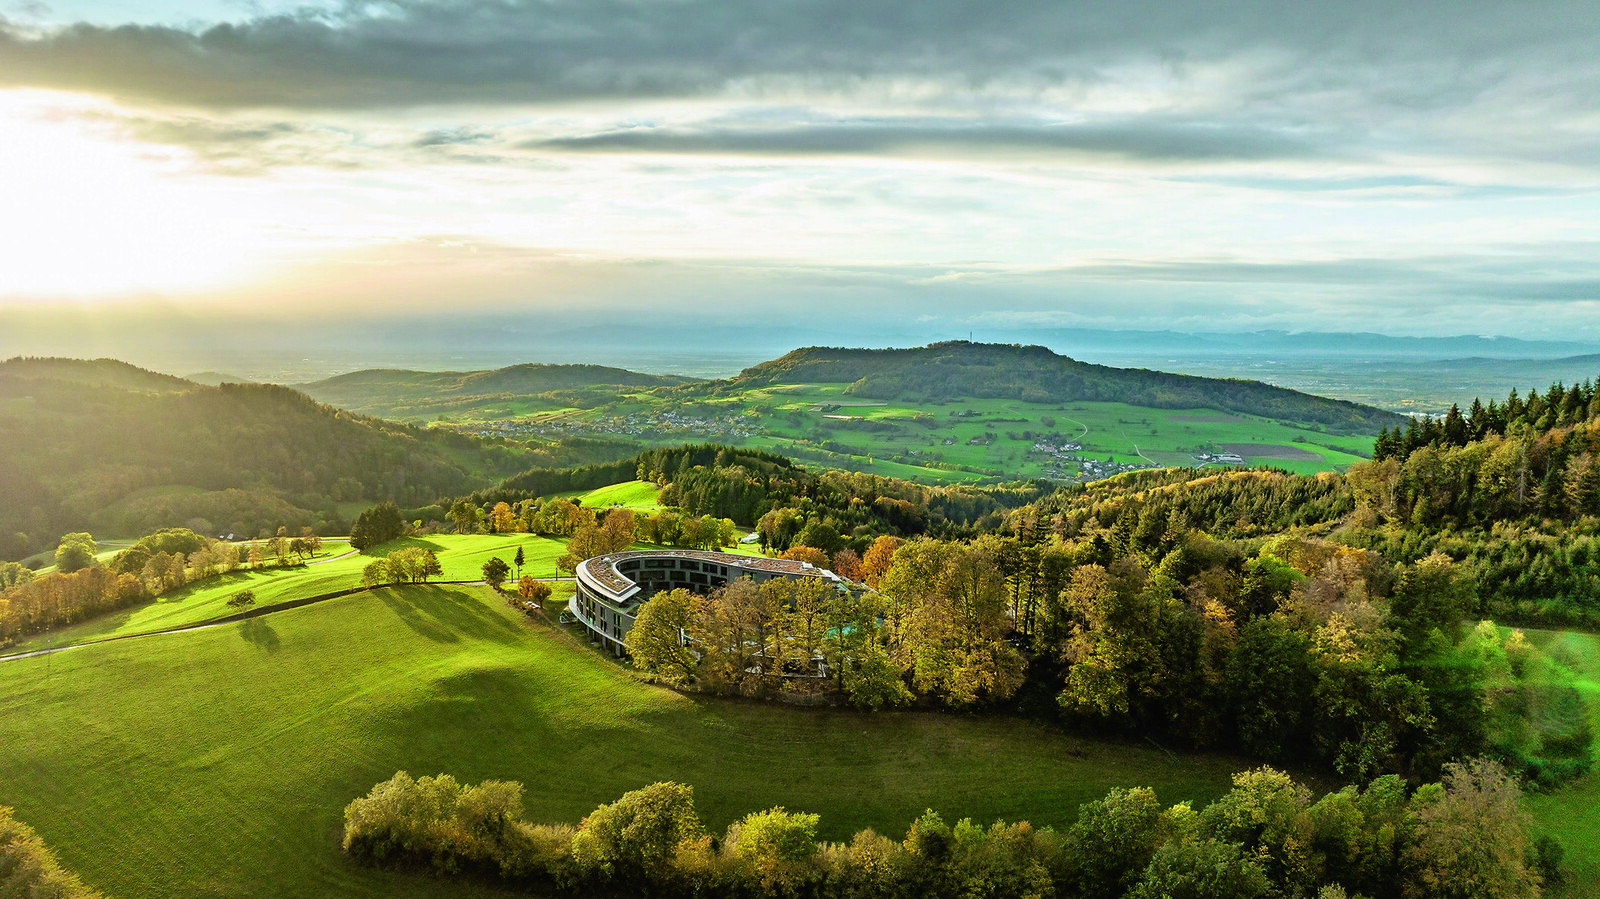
(417, 52)
(1141, 140)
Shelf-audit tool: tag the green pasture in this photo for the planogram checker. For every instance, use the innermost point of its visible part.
(1572, 814)
(820, 423)
(640, 496)
(217, 762)
(460, 555)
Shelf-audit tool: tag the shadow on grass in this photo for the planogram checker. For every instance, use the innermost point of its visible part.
(258, 632)
(382, 550)
(445, 614)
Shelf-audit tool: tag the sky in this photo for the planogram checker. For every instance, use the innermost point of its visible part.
(858, 171)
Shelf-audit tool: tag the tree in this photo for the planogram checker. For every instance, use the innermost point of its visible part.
(413, 564)
(1112, 841)
(532, 590)
(875, 564)
(12, 574)
(802, 553)
(501, 519)
(1433, 595)
(777, 846)
(495, 572)
(75, 553)
(1472, 836)
(375, 573)
(656, 638)
(638, 836)
(820, 534)
(242, 600)
(950, 621)
(518, 559)
(465, 516)
(1202, 869)
(847, 564)
(377, 525)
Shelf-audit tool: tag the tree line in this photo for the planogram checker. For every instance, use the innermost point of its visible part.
(1295, 649)
(1464, 836)
(81, 588)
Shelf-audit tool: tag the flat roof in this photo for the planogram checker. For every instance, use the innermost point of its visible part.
(602, 571)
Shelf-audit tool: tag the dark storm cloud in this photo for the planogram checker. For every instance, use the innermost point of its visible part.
(1136, 140)
(1407, 56)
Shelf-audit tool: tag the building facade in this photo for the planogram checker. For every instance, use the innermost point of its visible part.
(612, 588)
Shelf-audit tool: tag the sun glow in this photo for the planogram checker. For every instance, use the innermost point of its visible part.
(88, 213)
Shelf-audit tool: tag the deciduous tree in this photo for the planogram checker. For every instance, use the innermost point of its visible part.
(495, 572)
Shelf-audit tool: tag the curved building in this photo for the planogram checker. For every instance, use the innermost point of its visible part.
(611, 588)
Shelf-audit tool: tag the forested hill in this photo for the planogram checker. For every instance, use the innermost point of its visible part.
(400, 394)
(1035, 374)
(79, 454)
(98, 372)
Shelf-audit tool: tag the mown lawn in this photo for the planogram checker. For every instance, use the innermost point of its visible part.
(217, 762)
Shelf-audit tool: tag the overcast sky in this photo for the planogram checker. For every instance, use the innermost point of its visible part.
(1405, 168)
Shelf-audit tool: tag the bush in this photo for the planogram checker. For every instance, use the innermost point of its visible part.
(29, 869)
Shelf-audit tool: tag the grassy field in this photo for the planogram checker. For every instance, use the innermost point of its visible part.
(1572, 814)
(217, 762)
(640, 496)
(959, 440)
(461, 556)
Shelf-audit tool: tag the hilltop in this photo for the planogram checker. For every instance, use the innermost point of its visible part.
(94, 372)
(113, 448)
(421, 395)
(958, 368)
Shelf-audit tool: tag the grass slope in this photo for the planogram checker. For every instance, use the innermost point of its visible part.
(217, 762)
(641, 496)
(460, 555)
(1572, 814)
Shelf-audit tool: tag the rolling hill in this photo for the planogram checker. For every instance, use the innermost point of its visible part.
(422, 395)
(1035, 374)
(92, 372)
(106, 446)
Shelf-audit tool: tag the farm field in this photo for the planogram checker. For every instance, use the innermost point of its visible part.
(229, 775)
(954, 441)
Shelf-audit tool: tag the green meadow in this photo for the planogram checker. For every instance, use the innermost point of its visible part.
(958, 440)
(460, 555)
(217, 762)
(640, 496)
